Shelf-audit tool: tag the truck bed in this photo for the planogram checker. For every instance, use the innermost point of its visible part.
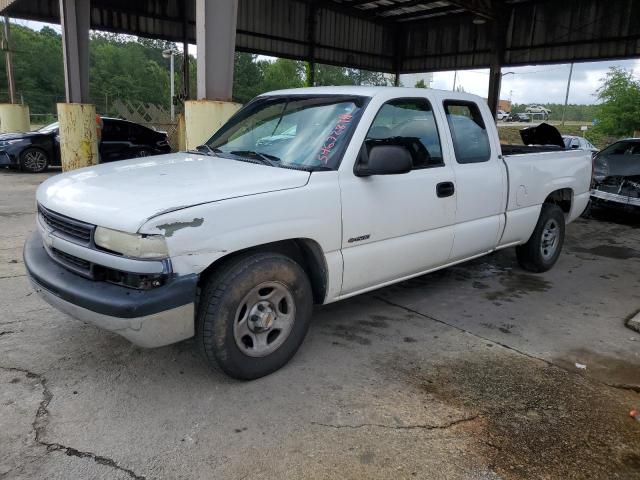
(524, 149)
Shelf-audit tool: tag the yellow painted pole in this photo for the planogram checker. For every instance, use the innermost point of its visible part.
(204, 117)
(14, 118)
(181, 133)
(78, 135)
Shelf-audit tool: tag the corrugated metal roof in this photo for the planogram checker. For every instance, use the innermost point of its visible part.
(385, 35)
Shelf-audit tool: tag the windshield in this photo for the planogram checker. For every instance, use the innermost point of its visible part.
(305, 132)
(623, 148)
(49, 128)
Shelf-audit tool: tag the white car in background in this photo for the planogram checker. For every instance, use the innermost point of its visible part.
(538, 109)
(502, 115)
(574, 142)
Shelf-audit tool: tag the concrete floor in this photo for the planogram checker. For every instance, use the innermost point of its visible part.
(467, 373)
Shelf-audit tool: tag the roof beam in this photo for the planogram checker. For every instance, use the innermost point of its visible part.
(427, 13)
(482, 8)
(397, 6)
(357, 3)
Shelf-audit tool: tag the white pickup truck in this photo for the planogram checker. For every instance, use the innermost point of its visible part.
(303, 197)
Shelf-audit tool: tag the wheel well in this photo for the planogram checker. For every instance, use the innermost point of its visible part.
(306, 252)
(562, 197)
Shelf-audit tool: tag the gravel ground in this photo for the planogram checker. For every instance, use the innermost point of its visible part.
(471, 373)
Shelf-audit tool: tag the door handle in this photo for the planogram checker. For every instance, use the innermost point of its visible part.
(445, 189)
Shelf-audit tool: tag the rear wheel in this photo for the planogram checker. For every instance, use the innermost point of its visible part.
(33, 160)
(542, 250)
(254, 314)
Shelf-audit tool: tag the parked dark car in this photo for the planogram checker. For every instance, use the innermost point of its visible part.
(35, 151)
(518, 117)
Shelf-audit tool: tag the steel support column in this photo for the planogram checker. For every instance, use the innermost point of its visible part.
(495, 80)
(495, 69)
(398, 54)
(312, 21)
(185, 51)
(74, 21)
(216, 41)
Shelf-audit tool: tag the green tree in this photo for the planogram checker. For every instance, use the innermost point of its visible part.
(367, 77)
(421, 84)
(127, 69)
(248, 77)
(327, 75)
(619, 108)
(38, 69)
(281, 73)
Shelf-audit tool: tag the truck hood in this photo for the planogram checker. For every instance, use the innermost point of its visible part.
(124, 195)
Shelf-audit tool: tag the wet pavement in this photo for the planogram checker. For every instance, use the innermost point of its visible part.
(473, 372)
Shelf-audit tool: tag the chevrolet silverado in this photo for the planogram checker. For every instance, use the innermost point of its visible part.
(303, 197)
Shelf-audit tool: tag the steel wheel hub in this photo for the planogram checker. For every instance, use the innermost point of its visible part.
(264, 319)
(549, 240)
(261, 317)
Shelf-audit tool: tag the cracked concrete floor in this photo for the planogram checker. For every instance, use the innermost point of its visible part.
(467, 373)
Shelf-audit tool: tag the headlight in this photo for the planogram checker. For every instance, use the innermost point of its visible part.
(6, 143)
(131, 245)
(600, 169)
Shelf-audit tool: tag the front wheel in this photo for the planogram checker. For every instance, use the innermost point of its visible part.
(253, 315)
(34, 160)
(542, 250)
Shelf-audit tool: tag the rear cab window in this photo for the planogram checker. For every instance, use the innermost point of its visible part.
(409, 122)
(468, 131)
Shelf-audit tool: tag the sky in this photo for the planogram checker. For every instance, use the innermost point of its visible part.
(530, 84)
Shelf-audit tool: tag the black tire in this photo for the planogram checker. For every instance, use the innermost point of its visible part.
(531, 255)
(34, 160)
(223, 296)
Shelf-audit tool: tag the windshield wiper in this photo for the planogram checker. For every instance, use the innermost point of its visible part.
(264, 157)
(206, 149)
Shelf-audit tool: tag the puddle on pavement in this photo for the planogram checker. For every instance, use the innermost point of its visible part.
(607, 369)
(514, 285)
(610, 251)
(536, 421)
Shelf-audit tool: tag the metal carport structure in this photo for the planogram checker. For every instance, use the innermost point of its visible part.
(394, 36)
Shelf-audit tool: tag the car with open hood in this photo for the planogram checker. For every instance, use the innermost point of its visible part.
(616, 175)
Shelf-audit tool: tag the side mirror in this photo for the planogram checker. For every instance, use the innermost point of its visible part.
(385, 160)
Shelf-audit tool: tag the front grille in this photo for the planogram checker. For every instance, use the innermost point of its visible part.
(73, 263)
(69, 227)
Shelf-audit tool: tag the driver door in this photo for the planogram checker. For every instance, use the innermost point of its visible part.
(396, 226)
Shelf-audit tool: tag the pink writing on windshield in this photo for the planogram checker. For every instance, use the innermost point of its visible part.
(330, 142)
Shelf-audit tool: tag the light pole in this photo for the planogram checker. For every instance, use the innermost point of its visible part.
(566, 97)
(170, 53)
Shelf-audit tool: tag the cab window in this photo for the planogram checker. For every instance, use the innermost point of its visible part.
(468, 131)
(409, 122)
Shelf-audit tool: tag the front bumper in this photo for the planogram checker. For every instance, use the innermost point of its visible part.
(8, 160)
(148, 318)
